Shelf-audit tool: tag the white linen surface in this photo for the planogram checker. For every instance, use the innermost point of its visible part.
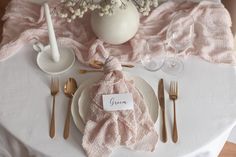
(206, 110)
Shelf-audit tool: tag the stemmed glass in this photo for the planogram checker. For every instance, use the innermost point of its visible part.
(179, 36)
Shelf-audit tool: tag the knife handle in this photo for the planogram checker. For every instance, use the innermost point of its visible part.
(164, 134)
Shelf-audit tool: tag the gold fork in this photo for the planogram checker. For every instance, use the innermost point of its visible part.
(54, 91)
(173, 94)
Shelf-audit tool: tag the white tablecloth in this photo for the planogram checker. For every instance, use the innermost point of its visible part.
(206, 110)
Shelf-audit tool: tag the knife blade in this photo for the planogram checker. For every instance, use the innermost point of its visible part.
(161, 98)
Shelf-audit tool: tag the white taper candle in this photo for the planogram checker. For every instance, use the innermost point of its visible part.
(51, 34)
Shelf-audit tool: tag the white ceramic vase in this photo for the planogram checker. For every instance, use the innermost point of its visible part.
(117, 28)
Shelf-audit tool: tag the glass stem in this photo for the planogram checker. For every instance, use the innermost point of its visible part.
(173, 62)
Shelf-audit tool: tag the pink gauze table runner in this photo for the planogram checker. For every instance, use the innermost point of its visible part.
(213, 40)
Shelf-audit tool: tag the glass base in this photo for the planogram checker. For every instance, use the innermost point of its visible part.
(173, 66)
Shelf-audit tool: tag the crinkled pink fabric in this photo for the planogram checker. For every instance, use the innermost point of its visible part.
(213, 39)
(104, 130)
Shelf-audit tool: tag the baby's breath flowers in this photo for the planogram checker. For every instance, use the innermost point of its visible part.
(71, 9)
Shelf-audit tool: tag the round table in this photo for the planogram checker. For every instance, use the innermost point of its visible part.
(206, 109)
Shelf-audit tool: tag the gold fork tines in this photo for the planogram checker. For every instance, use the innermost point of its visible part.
(54, 91)
(173, 94)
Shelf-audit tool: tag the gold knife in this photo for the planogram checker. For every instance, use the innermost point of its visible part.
(161, 98)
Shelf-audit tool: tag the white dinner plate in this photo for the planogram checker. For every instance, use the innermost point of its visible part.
(81, 99)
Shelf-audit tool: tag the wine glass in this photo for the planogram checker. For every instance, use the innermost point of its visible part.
(150, 62)
(179, 36)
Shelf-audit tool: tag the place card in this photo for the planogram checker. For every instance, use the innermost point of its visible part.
(116, 102)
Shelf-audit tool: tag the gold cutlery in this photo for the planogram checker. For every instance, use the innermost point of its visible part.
(127, 65)
(84, 71)
(173, 94)
(96, 64)
(99, 65)
(161, 98)
(54, 91)
(69, 90)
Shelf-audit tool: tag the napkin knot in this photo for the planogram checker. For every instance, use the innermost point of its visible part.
(112, 64)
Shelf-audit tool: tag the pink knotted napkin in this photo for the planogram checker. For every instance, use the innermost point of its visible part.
(106, 130)
(213, 39)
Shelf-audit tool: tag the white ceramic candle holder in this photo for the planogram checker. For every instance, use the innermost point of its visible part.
(46, 64)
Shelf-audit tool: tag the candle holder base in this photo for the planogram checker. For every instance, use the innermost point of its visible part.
(47, 65)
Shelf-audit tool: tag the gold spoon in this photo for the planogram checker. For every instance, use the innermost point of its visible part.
(127, 65)
(69, 90)
(98, 64)
(84, 71)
